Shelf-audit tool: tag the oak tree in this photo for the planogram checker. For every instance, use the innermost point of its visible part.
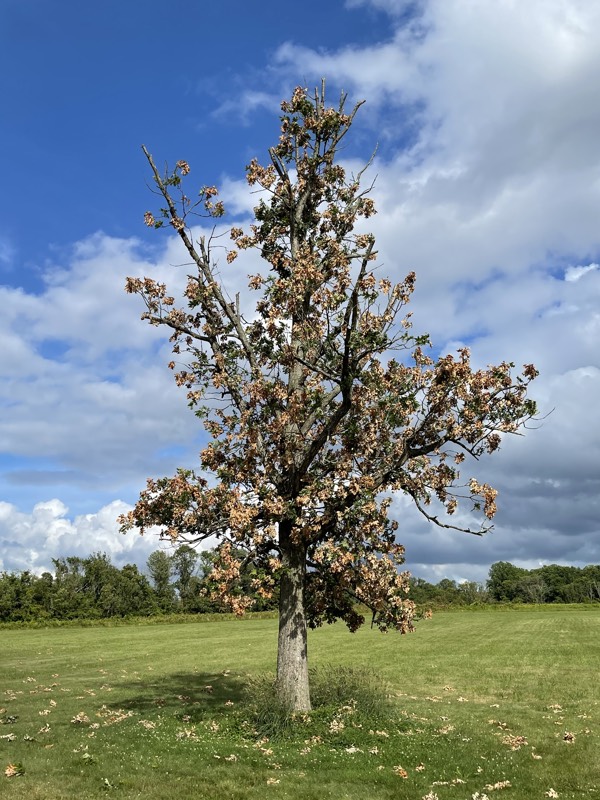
(320, 404)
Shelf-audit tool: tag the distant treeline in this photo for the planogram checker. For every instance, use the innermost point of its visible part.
(93, 588)
(509, 584)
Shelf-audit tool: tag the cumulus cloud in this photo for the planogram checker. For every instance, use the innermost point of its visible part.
(86, 398)
(575, 273)
(488, 185)
(31, 540)
(251, 101)
(488, 182)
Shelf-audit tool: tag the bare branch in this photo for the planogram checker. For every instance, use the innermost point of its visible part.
(483, 530)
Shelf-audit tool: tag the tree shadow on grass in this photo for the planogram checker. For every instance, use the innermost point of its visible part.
(196, 695)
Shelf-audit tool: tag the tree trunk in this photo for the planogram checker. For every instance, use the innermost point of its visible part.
(292, 652)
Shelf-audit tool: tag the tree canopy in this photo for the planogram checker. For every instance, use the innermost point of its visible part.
(321, 402)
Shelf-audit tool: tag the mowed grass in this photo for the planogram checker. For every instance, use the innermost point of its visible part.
(496, 703)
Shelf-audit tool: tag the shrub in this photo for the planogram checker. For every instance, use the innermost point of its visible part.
(335, 691)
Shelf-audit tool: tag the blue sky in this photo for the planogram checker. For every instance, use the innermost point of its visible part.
(487, 118)
(91, 82)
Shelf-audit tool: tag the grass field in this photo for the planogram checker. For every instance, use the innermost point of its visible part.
(486, 703)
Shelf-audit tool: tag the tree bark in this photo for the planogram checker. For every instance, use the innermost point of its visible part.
(292, 653)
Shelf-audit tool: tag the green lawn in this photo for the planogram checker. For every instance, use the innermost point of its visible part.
(480, 698)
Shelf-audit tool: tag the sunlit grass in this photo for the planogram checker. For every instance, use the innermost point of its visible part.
(160, 711)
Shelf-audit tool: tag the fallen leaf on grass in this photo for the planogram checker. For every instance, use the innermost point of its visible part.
(113, 716)
(398, 770)
(446, 729)
(514, 742)
(551, 793)
(187, 733)
(490, 787)
(14, 770)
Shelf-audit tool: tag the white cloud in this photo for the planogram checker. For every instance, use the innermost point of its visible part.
(84, 388)
(575, 273)
(489, 164)
(242, 108)
(32, 540)
(488, 186)
(7, 250)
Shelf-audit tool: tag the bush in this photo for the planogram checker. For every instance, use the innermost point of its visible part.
(335, 691)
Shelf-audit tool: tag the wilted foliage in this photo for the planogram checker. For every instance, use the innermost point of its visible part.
(323, 403)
